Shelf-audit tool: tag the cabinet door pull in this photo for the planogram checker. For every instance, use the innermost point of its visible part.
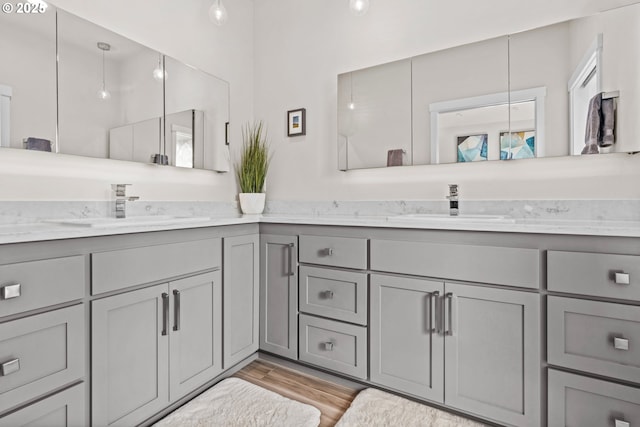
(10, 291)
(621, 423)
(620, 343)
(165, 313)
(622, 278)
(176, 310)
(328, 346)
(448, 313)
(291, 246)
(9, 367)
(433, 316)
(328, 294)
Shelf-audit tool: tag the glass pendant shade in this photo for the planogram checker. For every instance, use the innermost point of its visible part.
(103, 93)
(159, 73)
(218, 13)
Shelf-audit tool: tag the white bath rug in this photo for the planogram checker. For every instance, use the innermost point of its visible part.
(375, 408)
(238, 403)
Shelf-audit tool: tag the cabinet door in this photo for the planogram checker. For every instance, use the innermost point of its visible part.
(196, 332)
(130, 349)
(279, 295)
(241, 298)
(492, 353)
(406, 352)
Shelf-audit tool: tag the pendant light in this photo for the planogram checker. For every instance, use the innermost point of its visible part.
(352, 106)
(359, 7)
(103, 93)
(159, 73)
(218, 13)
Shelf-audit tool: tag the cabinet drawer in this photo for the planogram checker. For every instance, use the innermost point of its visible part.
(341, 295)
(334, 251)
(577, 401)
(64, 409)
(40, 353)
(603, 275)
(36, 284)
(334, 345)
(486, 264)
(120, 269)
(596, 337)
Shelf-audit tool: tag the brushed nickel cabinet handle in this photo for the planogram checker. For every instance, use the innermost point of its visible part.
(449, 313)
(328, 251)
(165, 313)
(291, 246)
(10, 291)
(622, 278)
(620, 343)
(176, 310)
(433, 318)
(621, 423)
(328, 294)
(9, 367)
(328, 346)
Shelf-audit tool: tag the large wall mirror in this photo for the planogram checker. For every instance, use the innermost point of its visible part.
(73, 87)
(570, 88)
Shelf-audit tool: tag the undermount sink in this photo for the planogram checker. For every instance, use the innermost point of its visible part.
(130, 221)
(450, 218)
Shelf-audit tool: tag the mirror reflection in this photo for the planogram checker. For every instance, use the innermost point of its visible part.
(565, 89)
(106, 96)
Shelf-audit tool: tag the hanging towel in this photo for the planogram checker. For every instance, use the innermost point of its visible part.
(592, 132)
(394, 157)
(608, 109)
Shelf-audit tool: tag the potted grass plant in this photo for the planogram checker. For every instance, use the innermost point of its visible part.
(252, 168)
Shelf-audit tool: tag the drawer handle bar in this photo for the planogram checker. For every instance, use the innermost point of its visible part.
(10, 291)
(165, 313)
(620, 343)
(622, 278)
(434, 325)
(291, 246)
(9, 367)
(176, 310)
(328, 346)
(328, 294)
(449, 313)
(621, 423)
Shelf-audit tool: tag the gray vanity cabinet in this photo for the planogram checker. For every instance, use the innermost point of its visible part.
(154, 345)
(492, 353)
(470, 347)
(279, 295)
(406, 353)
(130, 356)
(241, 297)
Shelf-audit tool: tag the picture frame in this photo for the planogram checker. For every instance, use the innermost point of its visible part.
(296, 122)
(521, 145)
(472, 148)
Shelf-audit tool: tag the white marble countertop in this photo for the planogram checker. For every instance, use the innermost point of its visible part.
(32, 232)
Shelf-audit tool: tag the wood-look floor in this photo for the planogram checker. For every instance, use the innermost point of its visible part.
(331, 399)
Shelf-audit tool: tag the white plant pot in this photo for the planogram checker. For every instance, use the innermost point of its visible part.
(252, 203)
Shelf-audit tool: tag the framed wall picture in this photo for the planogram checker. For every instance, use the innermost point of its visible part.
(521, 145)
(296, 122)
(472, 148)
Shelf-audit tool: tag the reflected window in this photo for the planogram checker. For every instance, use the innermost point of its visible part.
(183, 142)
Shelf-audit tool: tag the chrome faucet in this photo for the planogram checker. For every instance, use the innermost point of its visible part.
(122, 199)
(453, 199)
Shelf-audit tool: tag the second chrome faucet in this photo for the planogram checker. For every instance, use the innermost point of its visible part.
(453, 199)
(122, 199)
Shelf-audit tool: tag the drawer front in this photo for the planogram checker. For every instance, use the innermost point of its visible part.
(334, 345)
(35, 284)
(596, 337)
(486, 264)
(40, 353)
(64, 409)
(602, 275)
(577, 401)
(334, 251)
(340, 295)
(120, 269)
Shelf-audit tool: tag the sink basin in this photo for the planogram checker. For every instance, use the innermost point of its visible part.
(449, 218)
(130, 221)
